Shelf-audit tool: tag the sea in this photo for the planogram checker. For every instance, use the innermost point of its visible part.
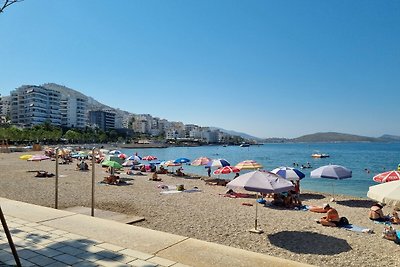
(364, 159)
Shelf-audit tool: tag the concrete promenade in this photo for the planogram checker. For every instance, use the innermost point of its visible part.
(49, 237)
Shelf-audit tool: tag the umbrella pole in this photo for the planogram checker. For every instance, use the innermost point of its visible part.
(255, 230)
(333, 191)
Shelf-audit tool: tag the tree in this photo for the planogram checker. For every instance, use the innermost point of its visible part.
(7, 3)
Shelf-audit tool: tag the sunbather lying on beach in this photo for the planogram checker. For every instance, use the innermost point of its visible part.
(43, 174)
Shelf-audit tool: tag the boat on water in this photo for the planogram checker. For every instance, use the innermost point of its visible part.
(244, 145)
(319, 155)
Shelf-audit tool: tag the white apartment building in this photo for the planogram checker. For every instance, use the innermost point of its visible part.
(5, 105)
(32, 105)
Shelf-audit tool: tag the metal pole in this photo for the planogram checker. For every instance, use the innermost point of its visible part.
(93, 180)
(56, 193)
(255, 221)
(10, 241)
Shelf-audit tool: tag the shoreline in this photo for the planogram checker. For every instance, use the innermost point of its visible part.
(209, 216)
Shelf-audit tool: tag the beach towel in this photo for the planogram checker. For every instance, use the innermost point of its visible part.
(355, 228)
(170, 192)
(302, 208)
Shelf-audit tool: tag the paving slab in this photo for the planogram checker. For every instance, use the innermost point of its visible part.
(205, 254)
(105, 214)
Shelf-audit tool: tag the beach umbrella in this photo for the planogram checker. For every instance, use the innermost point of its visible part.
(289, 173)
(388, 193)
(112, 164)
(38, 158)
(335, 172)
(201, 161)
(170, 163)
(218, 163)
(260, 182)
(122, 156)
(25, 157)
(226, 170)
(249, 165)
(387, 177)
(182, 160)
(149, 158)
(134, 157)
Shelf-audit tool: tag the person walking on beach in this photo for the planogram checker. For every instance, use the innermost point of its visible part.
(209, 172)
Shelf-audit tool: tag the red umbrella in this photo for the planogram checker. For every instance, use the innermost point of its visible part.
(149, 158)
(387, 176)
(226, 170)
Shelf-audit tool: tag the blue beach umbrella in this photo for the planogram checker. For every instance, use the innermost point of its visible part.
(182, 160)
(218, 163)
(289, 173)
(134, 157)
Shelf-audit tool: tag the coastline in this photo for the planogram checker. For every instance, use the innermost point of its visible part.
(209, 216)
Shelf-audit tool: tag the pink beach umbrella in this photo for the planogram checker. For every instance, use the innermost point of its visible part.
(201, 161)
(387, 177)
(38, 158)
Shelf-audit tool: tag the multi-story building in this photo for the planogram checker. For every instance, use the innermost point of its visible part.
(5, 106)
(32, 105)
(73, 106)
(102, 119)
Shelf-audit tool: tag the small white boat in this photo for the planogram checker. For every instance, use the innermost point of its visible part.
(320, 155)
(244, 145)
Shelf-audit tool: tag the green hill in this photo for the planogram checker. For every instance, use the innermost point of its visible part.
(334, 137)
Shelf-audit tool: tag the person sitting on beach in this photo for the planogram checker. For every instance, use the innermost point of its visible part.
(162, 170)
(395, 219)
(332, 217)
(278, 200)
(376, 213)
(112, 179)
(179, 172)
(155, 177)
(143, 168)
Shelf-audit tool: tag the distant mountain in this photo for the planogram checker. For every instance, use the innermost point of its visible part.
(243, 135)
(390, 138)
(334, 137)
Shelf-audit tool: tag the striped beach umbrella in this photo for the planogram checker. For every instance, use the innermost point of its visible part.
(226, 170)
(387, 177)
(218, 163)
(201, 161)
(289, 173)
(249, 165)
(149, 158)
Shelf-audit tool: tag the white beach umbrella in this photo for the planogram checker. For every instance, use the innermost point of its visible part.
(263, 182)
(335, 172)
(388, 193)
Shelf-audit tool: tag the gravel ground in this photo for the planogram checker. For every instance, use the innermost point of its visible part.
(209, 216)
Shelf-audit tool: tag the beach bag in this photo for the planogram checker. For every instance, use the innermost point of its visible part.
(389, 233)
(343, 221)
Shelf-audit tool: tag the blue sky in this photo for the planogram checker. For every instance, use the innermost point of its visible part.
(267, 68)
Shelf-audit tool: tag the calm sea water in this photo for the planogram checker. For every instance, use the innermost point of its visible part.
(377, 157)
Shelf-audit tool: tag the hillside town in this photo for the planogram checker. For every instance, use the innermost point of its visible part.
(31, 105)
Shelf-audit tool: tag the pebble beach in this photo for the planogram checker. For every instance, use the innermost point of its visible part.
(208, 215)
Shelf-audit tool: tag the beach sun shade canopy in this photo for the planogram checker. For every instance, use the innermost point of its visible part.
(170, 163)
(112, 164)
(388, 193)
(201, 161)
(149, 158)
(134, 157)
(218, 163)
(289, 173)
(25, 157)
(249, 165)
(226, 170)
(182, 160)
(331, 172)
(38, 158)
(387, 177)
(263, 182)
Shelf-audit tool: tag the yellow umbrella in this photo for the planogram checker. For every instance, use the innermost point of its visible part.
(25, 157)
(249, 165)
